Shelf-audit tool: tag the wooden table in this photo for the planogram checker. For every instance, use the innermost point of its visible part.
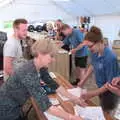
(116, 49)
(61, 64)
(67, 106)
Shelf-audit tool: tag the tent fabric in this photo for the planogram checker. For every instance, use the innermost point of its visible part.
(43, 10)
(91, 7)
(103, 13)
(62, 9)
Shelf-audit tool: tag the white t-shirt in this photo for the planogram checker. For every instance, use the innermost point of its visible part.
(13, 48)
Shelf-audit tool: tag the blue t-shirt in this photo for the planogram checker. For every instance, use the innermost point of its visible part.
(74, 40)
(105, 67)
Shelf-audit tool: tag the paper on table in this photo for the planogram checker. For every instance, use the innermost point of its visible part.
(51, 117)
(74, 91)
(62, 97)
(62, 51)
(54, 101)
(117, 113)
(90, 113)
(69, 53)
(52, 75)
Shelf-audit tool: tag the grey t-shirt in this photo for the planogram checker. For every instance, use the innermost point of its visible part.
(13, 48)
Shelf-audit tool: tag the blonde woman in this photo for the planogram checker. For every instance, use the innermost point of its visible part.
(25, 83)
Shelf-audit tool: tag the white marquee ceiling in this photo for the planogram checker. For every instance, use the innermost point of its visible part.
(53, 9)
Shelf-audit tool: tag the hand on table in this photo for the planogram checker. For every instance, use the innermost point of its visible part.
(87, 95)
(80, 101)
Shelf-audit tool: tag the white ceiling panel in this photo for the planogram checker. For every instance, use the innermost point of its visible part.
(48, 9)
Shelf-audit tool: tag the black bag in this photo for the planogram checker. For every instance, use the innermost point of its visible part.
(50, 85)
(3, 38)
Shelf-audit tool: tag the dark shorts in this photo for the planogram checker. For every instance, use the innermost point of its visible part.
(108, 101)
(20, 118)
(81, 62)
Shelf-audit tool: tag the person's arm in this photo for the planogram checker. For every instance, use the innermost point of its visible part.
(9, 53)
(8, 66)
(62, 114)
(81, 45)
(71, 97)
(89, 72)
(90, 94)
(79, 37)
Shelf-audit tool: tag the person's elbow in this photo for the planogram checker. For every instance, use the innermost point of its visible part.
(8, 68)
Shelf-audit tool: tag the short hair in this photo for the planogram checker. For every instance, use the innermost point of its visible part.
(64, 27)
(17, 22)
(59, 20)
(94, 35)
(43, 46)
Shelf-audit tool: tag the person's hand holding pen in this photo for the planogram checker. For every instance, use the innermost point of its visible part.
(114, 86)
